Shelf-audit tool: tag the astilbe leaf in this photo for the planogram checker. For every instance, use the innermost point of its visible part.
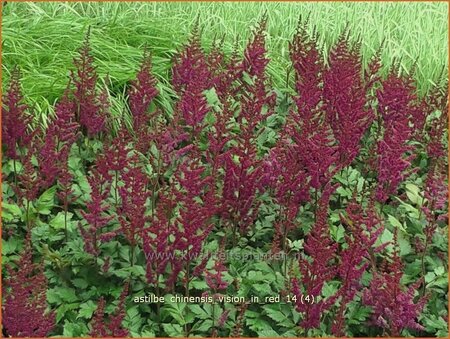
(25, 311)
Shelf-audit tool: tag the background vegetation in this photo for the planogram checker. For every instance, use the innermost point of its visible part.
(42, 38)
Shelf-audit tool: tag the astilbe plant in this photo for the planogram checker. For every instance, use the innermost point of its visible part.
(395, 99)
(364, 227)
(190, 78)
(290, 189)
(306, 127)
(316, 269)
(134, 201)
(114, 158)
(346, 97)
(193, 223)
(90, 106)
(29, 182)
(141, 94)
(53, 157)
(393, 305)
(15, 118)
(101, 328)
(96, 213)
(243, 179)
(25, 311)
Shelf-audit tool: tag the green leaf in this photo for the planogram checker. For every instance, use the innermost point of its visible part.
(87, 309)
(10, 246)
(10, 212)
(46, 201)
(80, 283)
(268, 334)
(211, 97)
(173, 330)
(67, 294)
(413, 193)
(58, 221)
(396, 223)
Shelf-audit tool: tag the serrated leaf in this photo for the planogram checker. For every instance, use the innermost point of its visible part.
(80, 283)
(87, 309)
(173, 330)
(67, 294)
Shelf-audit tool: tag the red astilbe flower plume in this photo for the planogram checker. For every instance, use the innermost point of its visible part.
(141, 94)
(395, 99)
(190, 78)
(134, 196)
(436, 180)
(158, 246)
(290, 188)
(25, 307)
(345, 97)
(214, 277)
(393, 306)
(61, 134)
(96, 214)
(196, 207)
(306, 127)
(90, 108)
(364, 227)
(255, 61)
(190, 65)
(29, 182)
(224, 72)
(257, 102)
(15, 119)
(318, 268)
(241, 184)
(243, 179)
(113, 327)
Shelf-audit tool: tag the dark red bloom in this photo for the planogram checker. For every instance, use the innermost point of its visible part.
(306, 127)
(393, 305)
(15, 119)
(134, 197)
(395, 100)
(96, 214)
(101, 328)
(345, 98)
(25, 311)
(318, 268)
(90, 106)
(364, 227)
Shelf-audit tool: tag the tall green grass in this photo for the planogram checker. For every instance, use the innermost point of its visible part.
(42, 38)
